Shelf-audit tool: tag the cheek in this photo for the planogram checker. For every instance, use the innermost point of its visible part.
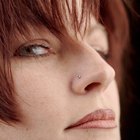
(41, 98)
(112, 98)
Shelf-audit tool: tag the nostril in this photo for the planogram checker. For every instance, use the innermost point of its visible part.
(92, 86)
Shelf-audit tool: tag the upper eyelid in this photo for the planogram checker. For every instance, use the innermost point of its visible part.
(32, 42)
(95, 29)
(96, 32)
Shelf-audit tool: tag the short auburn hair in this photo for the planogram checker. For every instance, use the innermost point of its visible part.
(16, 15)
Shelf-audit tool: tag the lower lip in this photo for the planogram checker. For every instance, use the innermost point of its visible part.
(99, 124)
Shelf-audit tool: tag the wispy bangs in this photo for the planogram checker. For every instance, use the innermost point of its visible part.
(53, 14)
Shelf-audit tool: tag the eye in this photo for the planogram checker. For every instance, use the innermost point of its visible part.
(105, 54)
(33, 50)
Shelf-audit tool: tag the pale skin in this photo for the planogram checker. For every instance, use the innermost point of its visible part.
(50, 94)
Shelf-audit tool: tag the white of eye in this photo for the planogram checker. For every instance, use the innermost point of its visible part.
(38, 50)
(32, 50)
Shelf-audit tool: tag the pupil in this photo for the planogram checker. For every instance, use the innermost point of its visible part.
(29, 50)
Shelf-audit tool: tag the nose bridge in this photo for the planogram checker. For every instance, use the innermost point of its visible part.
(92, 72)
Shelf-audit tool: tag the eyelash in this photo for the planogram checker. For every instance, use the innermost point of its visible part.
(105, 56)
(27, 50)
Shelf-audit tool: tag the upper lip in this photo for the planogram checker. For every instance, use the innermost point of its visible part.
(100, 114)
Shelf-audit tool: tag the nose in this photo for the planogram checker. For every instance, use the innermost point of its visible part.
(93, 73)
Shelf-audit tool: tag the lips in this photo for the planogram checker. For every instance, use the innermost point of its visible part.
(102, 118)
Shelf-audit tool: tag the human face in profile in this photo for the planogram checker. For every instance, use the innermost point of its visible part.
(66, 87)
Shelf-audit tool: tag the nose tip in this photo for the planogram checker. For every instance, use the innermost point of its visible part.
(95, 80)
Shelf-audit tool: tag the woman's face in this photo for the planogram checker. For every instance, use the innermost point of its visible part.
(65, 82)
